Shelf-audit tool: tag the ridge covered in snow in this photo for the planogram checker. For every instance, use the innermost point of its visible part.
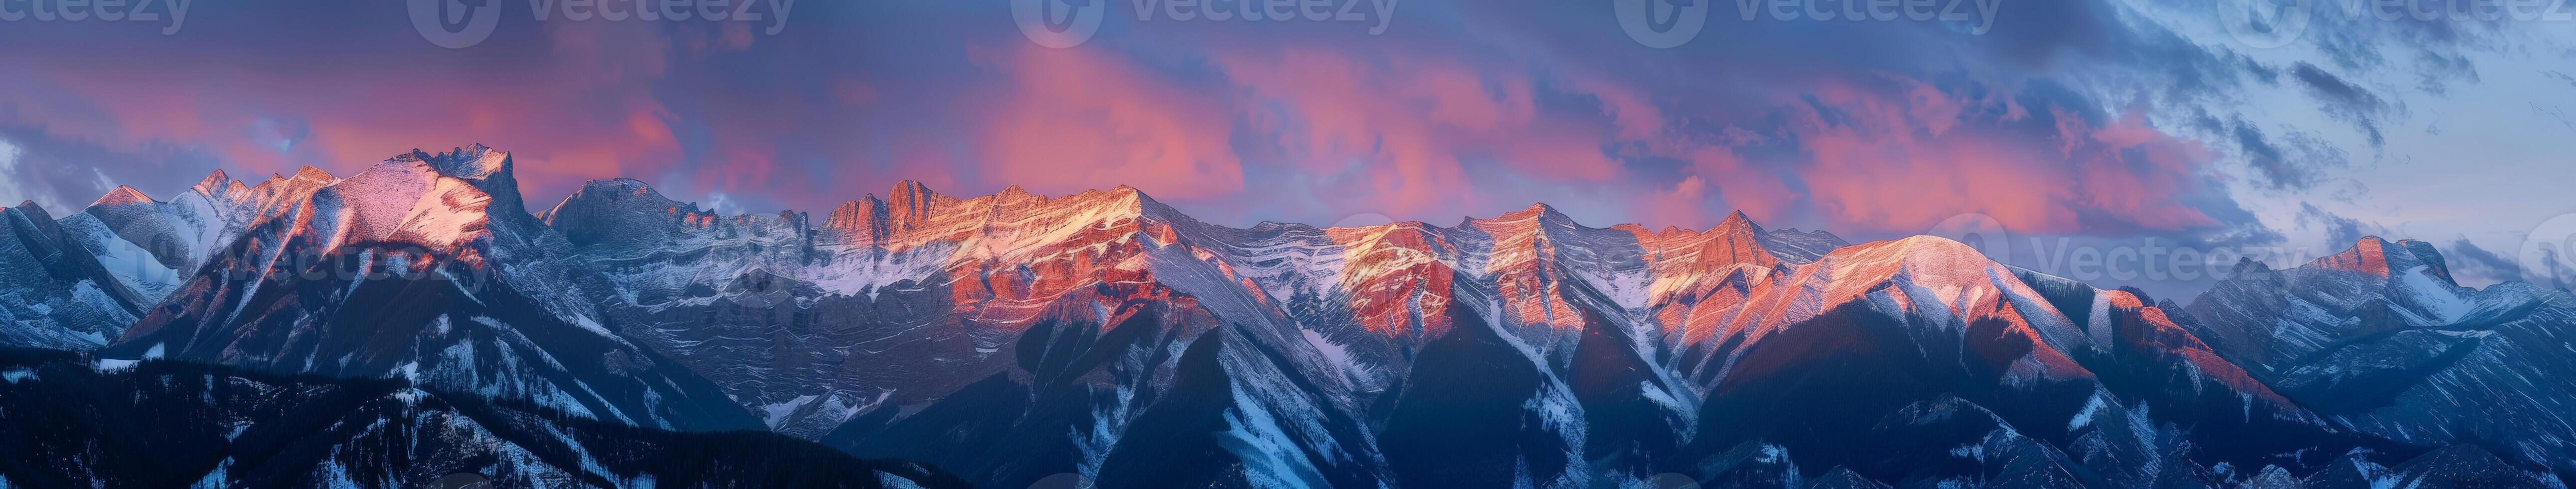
(417, 268)
(1012, 337)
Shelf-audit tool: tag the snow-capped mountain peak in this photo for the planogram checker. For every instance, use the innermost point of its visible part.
(2370, 256)
(306, 173)
(404, 201)
(123, 195)
(642, 216)
(1537, 218)
(1735, 241)
(414, 268)
(910, 203)
(858, 222)
(1737, 220)
(488, 170)
(474, 162)
(215, 184)
(275, 195)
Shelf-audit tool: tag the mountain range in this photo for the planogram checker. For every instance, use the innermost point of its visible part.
(419, 319)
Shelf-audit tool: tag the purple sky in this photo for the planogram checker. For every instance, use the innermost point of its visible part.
(2104, 123)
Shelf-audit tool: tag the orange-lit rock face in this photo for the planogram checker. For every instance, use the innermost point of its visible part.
(1004, 259)
(1917, 276)
(2370, 256)
(2146, 328)
(278, 194)
(122, 195)
(1008, 256)
(1013, 259)
(891, 307)
(1702, 278)
(1524, 266)
(1732, 243)
(858, 223)
(1395, 278)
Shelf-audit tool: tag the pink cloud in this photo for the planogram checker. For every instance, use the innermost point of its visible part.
(1408, 131)
(587, 112)
(1406, 128)
(1076, 119)
(1903, 160)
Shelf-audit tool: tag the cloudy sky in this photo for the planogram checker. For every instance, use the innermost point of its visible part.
(2210, 124)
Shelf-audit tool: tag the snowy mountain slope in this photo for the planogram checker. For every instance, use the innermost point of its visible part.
(812, 329)
(2380, 339)
(407, 270)
(1612, 328)
(731, 290)
(150, 245)
(1819, 352)
(133, 251)
(54, 292)
(1013, 338)
(1948, 286)
(1480, 411)
(1161, 394)
(1679, 304)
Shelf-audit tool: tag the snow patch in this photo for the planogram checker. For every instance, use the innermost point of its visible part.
(777, 413)
(1333, 352)
(890, 481)
(2446, 305)
(110, 365)
(2084, 417)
